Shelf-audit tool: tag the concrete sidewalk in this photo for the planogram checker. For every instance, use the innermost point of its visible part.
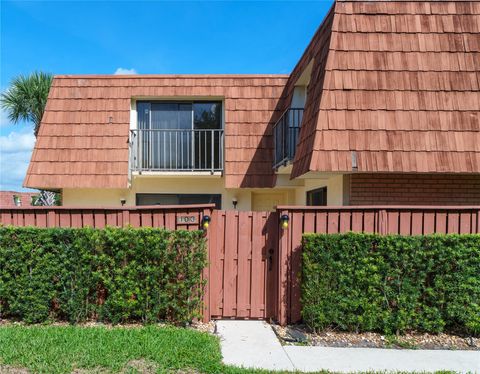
(253, 344)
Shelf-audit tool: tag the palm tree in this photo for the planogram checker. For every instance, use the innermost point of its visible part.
(26, 98)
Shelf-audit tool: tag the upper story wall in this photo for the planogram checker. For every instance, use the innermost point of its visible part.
(83, 137)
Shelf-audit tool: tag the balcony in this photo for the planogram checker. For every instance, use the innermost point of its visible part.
(176, 150)
(285, 135)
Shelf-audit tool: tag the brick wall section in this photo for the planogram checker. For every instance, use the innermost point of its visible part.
(414, 189)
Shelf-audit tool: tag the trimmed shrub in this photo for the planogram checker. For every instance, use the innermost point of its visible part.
(112, 275)
(392, 284)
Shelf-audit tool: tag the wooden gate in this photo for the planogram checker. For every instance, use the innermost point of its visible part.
(243, 253)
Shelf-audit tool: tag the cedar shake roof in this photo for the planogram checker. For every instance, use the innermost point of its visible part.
(83, 138)
(394, 85)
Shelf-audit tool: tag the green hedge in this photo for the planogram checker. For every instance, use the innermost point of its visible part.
(391, 284)
(112, 275)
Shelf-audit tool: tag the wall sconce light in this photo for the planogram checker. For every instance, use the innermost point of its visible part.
(284, 221)
(234, 203)
(123, 201)
(206, 222)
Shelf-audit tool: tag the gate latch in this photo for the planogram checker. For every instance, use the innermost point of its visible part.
(270, 259)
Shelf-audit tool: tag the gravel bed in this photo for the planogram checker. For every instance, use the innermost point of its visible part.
(300, 335)
(204, 327)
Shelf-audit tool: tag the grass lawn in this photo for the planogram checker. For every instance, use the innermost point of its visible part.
(101, 350)
(63, 349)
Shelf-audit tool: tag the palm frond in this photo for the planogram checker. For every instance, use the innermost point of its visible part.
(26, 98)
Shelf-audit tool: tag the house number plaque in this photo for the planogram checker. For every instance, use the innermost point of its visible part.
(186, 220)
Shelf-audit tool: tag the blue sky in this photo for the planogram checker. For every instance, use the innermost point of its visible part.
(150, 37)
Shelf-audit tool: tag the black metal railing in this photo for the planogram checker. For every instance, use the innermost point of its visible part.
(285, 135)
(176, 150)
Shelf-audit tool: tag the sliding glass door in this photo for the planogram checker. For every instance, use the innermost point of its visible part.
(180, 135)
(207, 117)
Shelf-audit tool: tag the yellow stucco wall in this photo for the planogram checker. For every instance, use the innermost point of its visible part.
(334, 186)
(294, 192)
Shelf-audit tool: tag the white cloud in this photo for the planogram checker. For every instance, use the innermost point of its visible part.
(15, 152)
(123, 71)
(17, 142)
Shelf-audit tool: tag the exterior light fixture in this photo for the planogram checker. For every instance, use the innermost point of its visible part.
(284, 221)
(234, 203)
(123, 201)
(206, 222)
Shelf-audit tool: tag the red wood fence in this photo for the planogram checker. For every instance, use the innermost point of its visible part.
(167, 216)
(404, 220)
(254, 264)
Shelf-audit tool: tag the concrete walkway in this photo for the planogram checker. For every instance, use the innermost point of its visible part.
(253, 344)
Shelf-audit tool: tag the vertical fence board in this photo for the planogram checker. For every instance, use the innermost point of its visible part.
(258, 246)
(244, 270)
(453, 223)
(88, 218)
(296, 263)
(369, 221)
(65, 218)
(51, 219)
(99, 219)
(357, 221)
(465, 223)
(441, 223)
(271, 225)
(333, 222)
(230, 272)
(477, 229)
(392, 225)
(76, 219)
(18, 218)
(206, 274)
(405, 226)
(29, 218)
(111, 218)
(158, 219)
(135, 220)
(428, 223)
(321, 223)
(283, 279)
(216, 248)
(146, 218)
(6, 217)
(345, 221)
(417, 223)
(309, 222)
(41, 218)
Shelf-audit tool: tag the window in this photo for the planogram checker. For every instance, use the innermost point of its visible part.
(317, 197)
(180, 135)
(178, 199)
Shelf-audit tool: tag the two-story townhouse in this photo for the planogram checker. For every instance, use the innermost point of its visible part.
(382, 108)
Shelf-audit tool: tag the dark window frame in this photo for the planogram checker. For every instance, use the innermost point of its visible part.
(310, 196)
(218, 203)
(192, 102)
